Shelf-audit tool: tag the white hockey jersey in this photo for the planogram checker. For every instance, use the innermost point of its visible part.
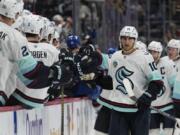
(139, 68)
(176, 90)
(47, 54)
(168, 72)
(177, 63)
(44, 52)
(14, 57)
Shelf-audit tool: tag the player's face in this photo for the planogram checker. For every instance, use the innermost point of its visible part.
(172, 53)
(127, 43)
(155, 55)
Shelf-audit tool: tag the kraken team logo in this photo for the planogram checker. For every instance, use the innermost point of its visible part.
(122, 73)
(162, 91)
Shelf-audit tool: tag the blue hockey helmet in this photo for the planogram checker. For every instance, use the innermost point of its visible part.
(111, 50)
(73, 41)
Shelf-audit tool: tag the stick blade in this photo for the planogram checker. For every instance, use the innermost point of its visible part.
(128, 87)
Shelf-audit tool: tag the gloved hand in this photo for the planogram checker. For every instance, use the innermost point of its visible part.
(66, 56)
(88, 64)
(144, 102)
(61, 74)
(54, 91)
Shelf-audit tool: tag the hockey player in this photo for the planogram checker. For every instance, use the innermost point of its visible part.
(43, 52)
(160, 124)
(139, 68)
(15, 57)
(173, 51)
(141, 46)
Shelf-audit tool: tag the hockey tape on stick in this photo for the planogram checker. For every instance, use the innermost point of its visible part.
(128, 87)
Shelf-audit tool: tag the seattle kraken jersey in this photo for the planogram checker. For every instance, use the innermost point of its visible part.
(47, 54)
(14, 57)
(44, 52)
(139, 68)
(176, 90)
(168, 72)
(177, 63)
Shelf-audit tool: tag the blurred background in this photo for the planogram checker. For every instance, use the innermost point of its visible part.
(102, 19)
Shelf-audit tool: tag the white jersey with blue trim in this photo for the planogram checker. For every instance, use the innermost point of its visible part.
(168, 72)
(14, 55)
(176, 90)
(177, 63)
(139, 68)
(47, 54)
(44, 52)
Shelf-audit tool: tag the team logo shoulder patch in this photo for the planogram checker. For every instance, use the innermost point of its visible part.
(115, 63)
(122, 73)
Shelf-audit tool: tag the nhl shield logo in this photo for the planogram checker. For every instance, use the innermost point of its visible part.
(115, 63)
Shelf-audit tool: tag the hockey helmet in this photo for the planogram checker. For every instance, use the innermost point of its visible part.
(155, 46)
(129, 31)
(73, 41)
(32, 24)
(10, 8)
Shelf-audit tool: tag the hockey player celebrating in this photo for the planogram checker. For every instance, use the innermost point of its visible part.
(160, 124)
(15, 57)
(139, 68)
(44, 52)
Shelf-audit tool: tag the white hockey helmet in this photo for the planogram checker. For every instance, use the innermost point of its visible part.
(26, 12)
(10, 8)
(141, 46)
(129, 31)
(48, 29)
(174, 43)
(32, 24)
(155, 46)
(18, 23)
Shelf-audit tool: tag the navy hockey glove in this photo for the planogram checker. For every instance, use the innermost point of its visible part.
(89, 63)
(61, 74)
(144, 101)
(87, 50)
(54, 91)
(66, 56)
(154, 88)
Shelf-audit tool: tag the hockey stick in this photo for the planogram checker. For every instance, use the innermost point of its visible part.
(62, 105)
(131, 94)
(62, 110)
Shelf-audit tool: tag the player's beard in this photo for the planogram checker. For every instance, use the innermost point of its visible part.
(128, 50)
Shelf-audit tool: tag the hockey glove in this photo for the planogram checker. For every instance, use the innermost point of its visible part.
(87, 50)
(61, 74)
(54, 91)
(88, 64)
(144, 101)
(177, 108)
(154, 88)
(66, 56)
